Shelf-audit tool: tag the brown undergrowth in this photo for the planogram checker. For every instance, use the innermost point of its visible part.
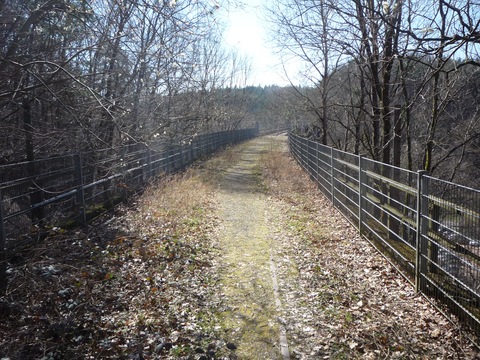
(341, 299)
(142, 283)
(131, 285)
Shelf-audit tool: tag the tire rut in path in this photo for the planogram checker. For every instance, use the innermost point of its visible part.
(248, 277)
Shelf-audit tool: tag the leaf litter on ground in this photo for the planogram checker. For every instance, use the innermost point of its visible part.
(141, 283)
(341, 299)
(134, 284)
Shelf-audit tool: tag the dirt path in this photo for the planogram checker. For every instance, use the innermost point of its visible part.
(261, 267)
(334, 296)
(249, 282)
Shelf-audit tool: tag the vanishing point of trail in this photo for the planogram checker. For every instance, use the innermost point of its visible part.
(249, 282)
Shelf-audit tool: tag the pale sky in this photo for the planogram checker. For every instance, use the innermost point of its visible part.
(247, 33)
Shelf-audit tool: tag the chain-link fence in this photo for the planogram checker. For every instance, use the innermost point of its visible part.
(428, 228)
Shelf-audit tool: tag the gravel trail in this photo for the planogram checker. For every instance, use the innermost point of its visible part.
(249, 283)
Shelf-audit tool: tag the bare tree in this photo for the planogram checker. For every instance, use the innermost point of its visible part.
(96, 74)
(394, 71)
(307, 31)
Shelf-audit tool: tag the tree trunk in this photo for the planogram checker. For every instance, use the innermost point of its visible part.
(36, 194)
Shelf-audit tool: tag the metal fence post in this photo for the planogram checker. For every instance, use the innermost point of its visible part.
(169, 159)
(307, 162)
(192, 155)
(80, 192)
(422, 231)
(332, 174)
(362, 178)
(164, 163)
(305, 154)
(149, 164)
(184, 156)
(3, 251)
(2, 224)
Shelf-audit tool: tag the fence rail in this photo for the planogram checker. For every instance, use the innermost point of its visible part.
(73, 188)
(427, 227)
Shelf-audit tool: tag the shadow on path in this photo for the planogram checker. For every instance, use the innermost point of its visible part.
(248, 279)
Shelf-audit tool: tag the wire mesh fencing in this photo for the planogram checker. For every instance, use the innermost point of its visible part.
(429, 229)
(71, 189)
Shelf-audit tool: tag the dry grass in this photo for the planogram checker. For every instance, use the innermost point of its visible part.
(278, 169)
(343, 300)
(211, 171)
(286, 181)
(133, 284)
(176, 200)
(142, 284)
(283, 176)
